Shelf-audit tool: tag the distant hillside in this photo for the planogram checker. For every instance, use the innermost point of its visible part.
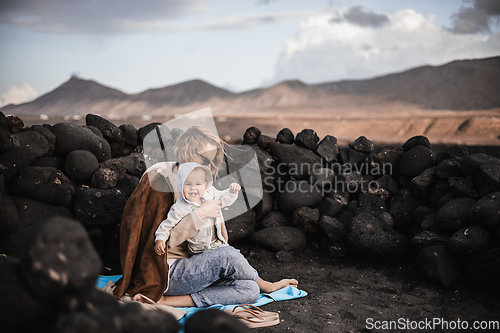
(459, 85)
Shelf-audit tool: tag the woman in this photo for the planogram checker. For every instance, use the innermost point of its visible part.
(220, 276)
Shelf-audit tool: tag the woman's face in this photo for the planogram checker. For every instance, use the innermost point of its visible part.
(206, 156)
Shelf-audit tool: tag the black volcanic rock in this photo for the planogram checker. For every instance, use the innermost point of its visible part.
(43, 184)
(453, 215)
(264, 141)
(438, 265)
(463, 187)
(134, 164)
(469, 241)
(5, 135)
(109, 173)
(352, 158)
(323, 178)
(127, 184)
(307, 139)
(51, 138)
(242, 225)
(487, 179)
(59, 258)
(31, 212)
(415, 141)
(109, 130)
(98, 207)
(327, 148)
(386, 160)
(9, 216)
(306, 219)
(449, 168)
(370, 239)
(362, 145)
(457, 152)
(27, 146)
(484, 270)
(130, 135)
(15, 124)
(280, 238)
(421, 184)
(300, 160)
(73, 137)
(251, 135)
(402, 206)
(296, 194)
(428, 238)
(474, 162)
(330, 206)
(486, 211)
(389, 183)
(80, 165)
(437, 191)
(285, 136)
(333, 228)
(416, 160)
(273, 219)
(371, 204)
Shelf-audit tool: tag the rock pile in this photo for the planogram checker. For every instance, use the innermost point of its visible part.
(395, 203)
(81, 172)
(443, 210)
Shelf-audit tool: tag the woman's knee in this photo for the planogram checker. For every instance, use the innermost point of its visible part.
(250, 291)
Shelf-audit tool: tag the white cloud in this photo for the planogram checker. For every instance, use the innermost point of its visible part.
(17, 95)
(327, 49)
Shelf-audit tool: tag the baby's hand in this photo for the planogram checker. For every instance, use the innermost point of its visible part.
(160, 247)
(234, 188)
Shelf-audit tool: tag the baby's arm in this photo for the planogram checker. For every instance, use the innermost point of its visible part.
(162, 234)
(229, 196)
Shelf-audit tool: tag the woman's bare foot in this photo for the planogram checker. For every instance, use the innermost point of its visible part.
(269, 287)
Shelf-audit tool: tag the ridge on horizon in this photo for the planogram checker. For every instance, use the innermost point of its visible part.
(457, 85)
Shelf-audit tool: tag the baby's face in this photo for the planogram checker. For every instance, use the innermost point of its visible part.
(195, 185)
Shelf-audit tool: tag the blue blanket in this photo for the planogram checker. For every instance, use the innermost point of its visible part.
(276, 296)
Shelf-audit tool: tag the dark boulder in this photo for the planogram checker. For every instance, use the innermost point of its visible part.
(386, 160)
(43, 184)
(265, 205)
(73, 137)
(416, 160)
(428, 238)
(402, 206)
(242, 225)
(127, 184)
(5, 135)
(27, 146)
(59, 259)
(449, 196)
(371, 239)
(306, 219)
(362, 145)
(31, 212)
(98, 207)
(330, 206)
(51, 161)
(421, 212)
(453, 215)
(176, 132)
(327, 148)
(299, 161)
(486, 211)
(474, 162)
(429, 223)
(265, 141)
(130, 135)
(273, 219)
(109, 130)
(421, 184)
(458, 153)
(449, 168)
(415, 141)
(370, 204)
(109, 173)
(352, 159)
(134, 164)
(143, 131)
(389, 183)
(438, 265)
(469, 241)
(15, 124)
(51, 138)
(9, 217)
(80, 165)
(333, 228)
(386, 219)
(280, 238)
(285, 136)
(437, 191)
(296, 194)
(463, 187)
(307, 139)
(251, 135)
(487, 179)
(265, 159)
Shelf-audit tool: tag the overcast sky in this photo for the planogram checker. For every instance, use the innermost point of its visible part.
(238, 45)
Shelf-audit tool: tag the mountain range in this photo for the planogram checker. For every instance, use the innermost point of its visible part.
(459, 85)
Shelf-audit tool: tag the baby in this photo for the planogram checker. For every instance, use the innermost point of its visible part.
(194, 182)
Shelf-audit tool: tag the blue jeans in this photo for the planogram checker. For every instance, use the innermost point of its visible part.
(219, 276)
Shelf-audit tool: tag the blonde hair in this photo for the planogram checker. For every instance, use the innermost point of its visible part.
(193, 141)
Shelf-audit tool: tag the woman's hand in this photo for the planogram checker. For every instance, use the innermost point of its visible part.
(210, 208)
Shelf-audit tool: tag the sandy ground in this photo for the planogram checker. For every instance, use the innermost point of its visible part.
(343, 294)
(382, 126)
